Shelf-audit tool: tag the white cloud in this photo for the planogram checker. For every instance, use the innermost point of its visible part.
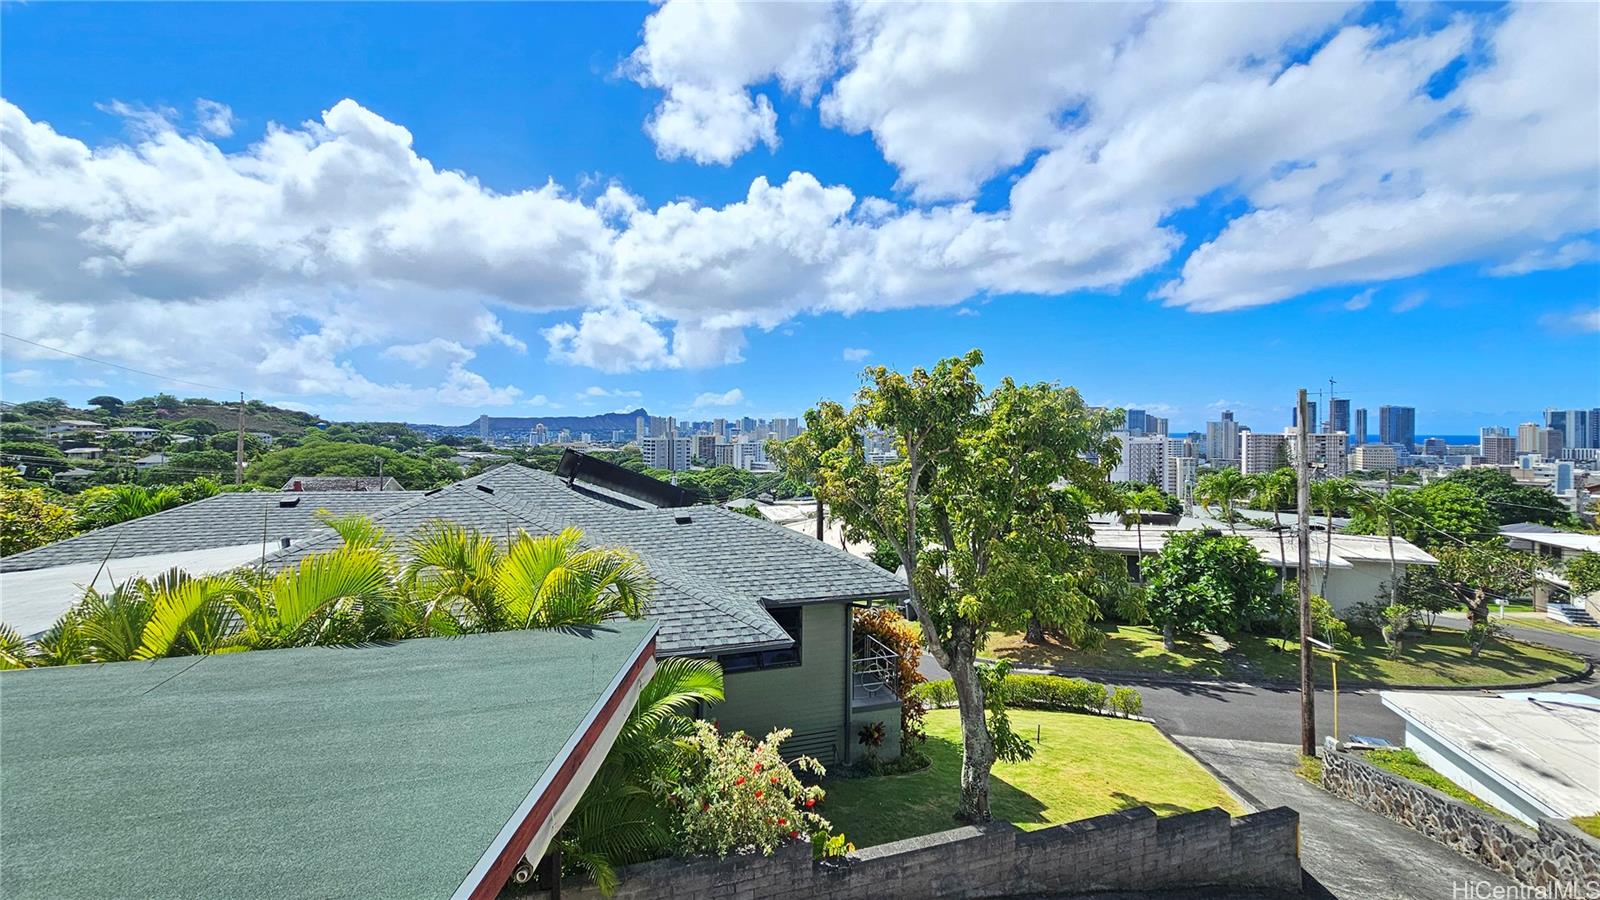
(539, 400)
(596, 391)
(1410, 301)
(1582, 319)
(1563, 257)
(214, 118)
(429, 353)
(855, 354)
(1360, 301)
(732, 397)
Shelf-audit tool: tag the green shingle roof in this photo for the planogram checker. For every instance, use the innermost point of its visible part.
(373, 772)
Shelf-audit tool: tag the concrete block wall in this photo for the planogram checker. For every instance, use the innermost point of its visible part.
(1555, 858)
(1128, 850)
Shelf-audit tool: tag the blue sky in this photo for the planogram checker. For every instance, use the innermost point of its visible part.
(1404, 202)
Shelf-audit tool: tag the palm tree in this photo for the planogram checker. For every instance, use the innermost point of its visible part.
(1224, 488)
(1136, 502)
(623, 816)
(1275, 490)
(543, 582)
(1330, 495)
(341, 596)
(13, 649)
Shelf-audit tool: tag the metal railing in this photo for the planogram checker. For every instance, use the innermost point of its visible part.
(874, 670)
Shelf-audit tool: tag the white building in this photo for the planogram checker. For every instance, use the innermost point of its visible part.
(1261, 452)
(137, 433)
(1329, 452)
(1222, 439)
(1144, 459)
(1498, 449)
(1376, 458)
(670, 453)
(1182, 473)
(72, 426)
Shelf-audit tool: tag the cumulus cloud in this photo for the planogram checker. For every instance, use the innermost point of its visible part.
(332, 240)
(709, 400)
(855, 354)
(215, 118)
(596, 391)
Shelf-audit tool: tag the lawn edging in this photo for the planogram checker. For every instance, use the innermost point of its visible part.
(1557, 856)
(1135, 676)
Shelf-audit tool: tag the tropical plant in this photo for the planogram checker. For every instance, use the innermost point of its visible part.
(1331, 496)
(110, 504)
(987, 507)
(1473, 575)
(1453, 512)
(1135, 503)
(740, 795)
(1583, 573)
(625, 815)
(1223, 489)
(1274, 490)
(900, 636)
(1205, 582)
(535, 582)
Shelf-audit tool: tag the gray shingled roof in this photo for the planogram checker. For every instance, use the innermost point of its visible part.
(225, 520)
(343, 483)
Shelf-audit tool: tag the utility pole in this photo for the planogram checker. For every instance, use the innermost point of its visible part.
(380, 473)
(819, 518)
(1302, 465)
(238, 450)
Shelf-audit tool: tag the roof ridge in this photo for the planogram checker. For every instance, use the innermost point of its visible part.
(791, 534)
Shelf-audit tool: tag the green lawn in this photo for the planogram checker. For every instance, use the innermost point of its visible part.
(1545, 623)
(1439, 658)
(1084, 766)
(1588, 824)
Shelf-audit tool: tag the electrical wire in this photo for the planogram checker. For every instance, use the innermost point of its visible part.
(101, 362)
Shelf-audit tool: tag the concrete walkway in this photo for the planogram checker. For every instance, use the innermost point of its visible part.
(1349, 851)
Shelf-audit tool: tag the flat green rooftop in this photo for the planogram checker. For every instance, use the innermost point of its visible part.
(374, 771)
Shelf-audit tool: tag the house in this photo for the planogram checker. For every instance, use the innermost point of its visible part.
(1357, 568)
(65, 427)
(81, 453)
(150, 461)
(1530, 755)
(1552, 593)
(72, 475)
(136, 433)
(420, 768)
(341, 483)
(773, 606)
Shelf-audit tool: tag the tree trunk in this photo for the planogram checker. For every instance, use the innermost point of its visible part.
(1477, 614)
(978, 754)
(1035, 633)
(1167, 637)
(1327, 555)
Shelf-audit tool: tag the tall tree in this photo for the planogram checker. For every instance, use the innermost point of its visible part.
(987, 508)
(1474, 575)
(1274, 490)
(1332, 496)
(1206, 582)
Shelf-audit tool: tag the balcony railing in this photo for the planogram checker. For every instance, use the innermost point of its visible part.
(874, 672)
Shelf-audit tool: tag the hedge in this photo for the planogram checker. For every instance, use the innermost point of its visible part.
(1045, 692)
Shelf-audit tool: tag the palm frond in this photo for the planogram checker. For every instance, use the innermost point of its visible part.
(179, 610)
(357, 530)
(13, 648)
(112, 623)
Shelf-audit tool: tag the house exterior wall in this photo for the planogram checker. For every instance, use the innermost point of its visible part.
(889, 716)
(811, 698)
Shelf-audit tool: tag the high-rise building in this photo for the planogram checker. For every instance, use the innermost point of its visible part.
(1573, 425)
(1135, 424)
(1222, 439)
(1143, 460)
(1338, 416)
(1551, 442)
(1398, 425)
(670, 453)
(1311, 409)
(1262, 452)
(1361, 426)
(1375, 458)
(1329, 452)
(640, 429)
(1155, 425)
(1528, 437)
(1435, 447)
(1498, 449)
(705, 447)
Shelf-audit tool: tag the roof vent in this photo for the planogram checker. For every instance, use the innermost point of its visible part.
(288, 502)
(485, 488)
(682, 520)
(432, 492)
(284, 543)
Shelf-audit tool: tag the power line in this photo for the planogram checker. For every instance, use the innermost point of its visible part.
(101, 362)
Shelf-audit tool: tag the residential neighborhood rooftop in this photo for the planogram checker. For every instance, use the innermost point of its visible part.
(421, 768)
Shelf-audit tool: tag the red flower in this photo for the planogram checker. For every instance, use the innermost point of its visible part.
(758, 795)
(774, 779)
(739, 780)
(810, 802)
(758, 767)
(783, 822)
(794, 835)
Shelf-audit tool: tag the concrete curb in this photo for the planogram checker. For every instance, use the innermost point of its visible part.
(1115, 676)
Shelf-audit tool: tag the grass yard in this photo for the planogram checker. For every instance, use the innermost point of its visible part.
(1440, 658)
(1588, 824)
(1084, 766)
(1545, 623)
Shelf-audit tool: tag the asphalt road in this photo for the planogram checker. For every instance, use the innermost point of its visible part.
(1572, 643)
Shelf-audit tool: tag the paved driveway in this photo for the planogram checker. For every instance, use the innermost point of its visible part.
(1350, 852)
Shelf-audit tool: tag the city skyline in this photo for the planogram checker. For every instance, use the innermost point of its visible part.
(531, 209)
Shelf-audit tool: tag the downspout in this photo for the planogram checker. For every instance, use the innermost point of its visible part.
(849, 681)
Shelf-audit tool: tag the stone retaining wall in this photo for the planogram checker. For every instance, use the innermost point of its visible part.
(1128, 850)
(1557, 858)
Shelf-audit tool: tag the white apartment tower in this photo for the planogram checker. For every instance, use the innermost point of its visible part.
(1262, 452)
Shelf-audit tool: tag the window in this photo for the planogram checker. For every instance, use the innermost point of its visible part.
(789, 618)
(1134, 573)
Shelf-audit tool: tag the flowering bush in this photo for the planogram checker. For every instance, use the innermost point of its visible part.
(738, 795)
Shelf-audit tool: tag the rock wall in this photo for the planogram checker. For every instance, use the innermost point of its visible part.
(1128, 850)
(1558, 858)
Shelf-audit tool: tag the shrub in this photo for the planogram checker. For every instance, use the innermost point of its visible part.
(905, 639)
(1055, 692)
(1126, 702)
(935, 694)
(738, 795)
